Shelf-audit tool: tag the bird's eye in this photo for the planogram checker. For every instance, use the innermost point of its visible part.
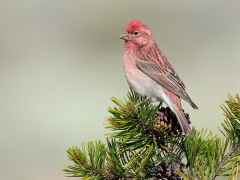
(135, 33)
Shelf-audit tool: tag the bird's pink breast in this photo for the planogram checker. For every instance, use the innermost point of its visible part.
(137, 80)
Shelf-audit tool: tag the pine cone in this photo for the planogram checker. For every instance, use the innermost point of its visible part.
(168, 171)
(166, 118)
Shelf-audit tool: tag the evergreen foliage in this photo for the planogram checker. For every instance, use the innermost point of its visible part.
(136, 149)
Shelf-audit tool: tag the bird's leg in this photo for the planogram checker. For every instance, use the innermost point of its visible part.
(159, 105)
(146, 99)
(139, 103)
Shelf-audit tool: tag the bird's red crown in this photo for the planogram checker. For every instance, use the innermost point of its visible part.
(133, 26)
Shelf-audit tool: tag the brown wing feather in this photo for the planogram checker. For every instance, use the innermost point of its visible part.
(161, 71)
(163, 76)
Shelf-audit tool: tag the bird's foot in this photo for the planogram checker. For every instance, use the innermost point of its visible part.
(159, 105)
(139, 103)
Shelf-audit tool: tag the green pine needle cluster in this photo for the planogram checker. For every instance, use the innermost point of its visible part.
(134, 148)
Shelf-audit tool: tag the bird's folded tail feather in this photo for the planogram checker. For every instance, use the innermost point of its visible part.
(186, 129)
(193, 105)
(188, 99)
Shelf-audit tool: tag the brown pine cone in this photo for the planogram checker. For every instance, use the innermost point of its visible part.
(166, 118)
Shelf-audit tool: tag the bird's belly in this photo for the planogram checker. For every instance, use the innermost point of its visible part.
(143, 84)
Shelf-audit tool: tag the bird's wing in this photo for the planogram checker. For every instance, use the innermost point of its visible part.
(163, 75)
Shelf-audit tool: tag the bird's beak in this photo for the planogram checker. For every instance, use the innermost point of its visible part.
(125, 37)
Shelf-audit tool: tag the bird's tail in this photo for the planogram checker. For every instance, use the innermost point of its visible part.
(193, 104)
(188, 99)
(186, 129)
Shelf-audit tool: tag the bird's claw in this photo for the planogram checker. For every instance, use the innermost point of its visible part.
(138, 104)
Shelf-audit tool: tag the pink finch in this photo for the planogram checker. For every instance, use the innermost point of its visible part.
(149, 73)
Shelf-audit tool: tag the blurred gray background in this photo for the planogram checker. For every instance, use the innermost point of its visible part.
(61, 61)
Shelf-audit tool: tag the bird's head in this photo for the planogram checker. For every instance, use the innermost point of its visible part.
(137, 34)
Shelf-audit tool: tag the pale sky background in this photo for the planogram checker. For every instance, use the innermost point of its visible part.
(61, 61)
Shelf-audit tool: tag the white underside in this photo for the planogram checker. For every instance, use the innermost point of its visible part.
(143, 84)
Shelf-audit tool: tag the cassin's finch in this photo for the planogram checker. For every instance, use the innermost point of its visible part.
(149, 73)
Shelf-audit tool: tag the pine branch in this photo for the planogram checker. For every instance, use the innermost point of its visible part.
(146, 142)
(144, 131)
(88, 161)
(96, 161)
(231, 125)
(224, 159)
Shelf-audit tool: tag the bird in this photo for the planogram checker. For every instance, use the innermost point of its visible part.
(149, 73)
